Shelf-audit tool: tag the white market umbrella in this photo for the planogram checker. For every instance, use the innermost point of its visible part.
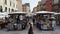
(2, 15)
(56, 13)
(18, 12)
(43, 12)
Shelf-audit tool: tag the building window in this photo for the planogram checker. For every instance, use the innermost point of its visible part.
(16, 6)
(5, 9)
(0, 8)
(6, 2)
(52, 2)
(59, 1)
(10, 3)
(12, 10)
(9, 9)
(16, 0)
(13, 4)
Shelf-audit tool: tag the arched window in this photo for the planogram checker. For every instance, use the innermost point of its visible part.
(6, 2)
(5, 9)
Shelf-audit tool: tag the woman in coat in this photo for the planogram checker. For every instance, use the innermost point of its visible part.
(30, 29)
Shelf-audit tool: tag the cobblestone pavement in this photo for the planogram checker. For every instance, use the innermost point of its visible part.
(36, 31)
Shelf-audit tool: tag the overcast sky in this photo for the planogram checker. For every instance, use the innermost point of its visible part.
(33, 3)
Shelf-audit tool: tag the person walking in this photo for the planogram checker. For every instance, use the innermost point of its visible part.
(54, 24)
(30, 31)
(40, 25)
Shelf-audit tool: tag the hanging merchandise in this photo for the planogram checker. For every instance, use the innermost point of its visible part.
(21, 17)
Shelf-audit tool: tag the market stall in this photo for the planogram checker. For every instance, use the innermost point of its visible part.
(43, 20)
(2, 19)
(17, 21)
(57, 15)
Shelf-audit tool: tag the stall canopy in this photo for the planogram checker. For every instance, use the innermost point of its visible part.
(18, 12)
(30, 14)
(56, 13)
(43, 12)
(3, 15)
